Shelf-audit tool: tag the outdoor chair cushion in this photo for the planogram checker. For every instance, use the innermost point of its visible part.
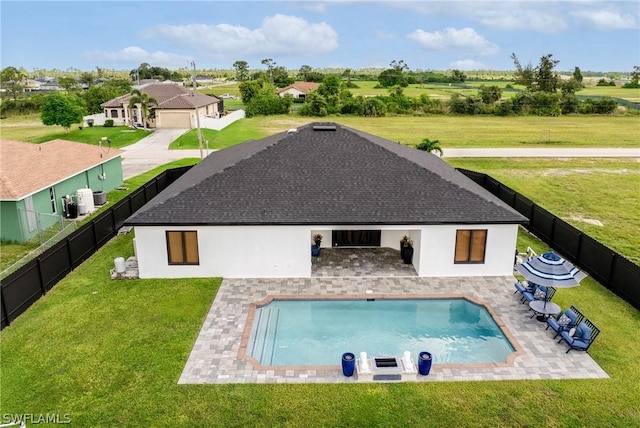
(579, 339)
(539, 294)
(520, 287)
(582, 333)
(565, 321)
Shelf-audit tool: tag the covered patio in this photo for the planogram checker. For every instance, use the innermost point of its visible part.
(368, 261)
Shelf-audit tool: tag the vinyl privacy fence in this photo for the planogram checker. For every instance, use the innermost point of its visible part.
(606, 266)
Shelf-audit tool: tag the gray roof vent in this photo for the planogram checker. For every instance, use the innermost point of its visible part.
(325, 127)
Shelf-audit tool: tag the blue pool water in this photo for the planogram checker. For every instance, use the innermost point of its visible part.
(318, 332)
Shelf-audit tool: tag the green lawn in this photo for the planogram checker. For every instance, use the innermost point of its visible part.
(120, 136)
(237, 132)
(474, 131)
(110, 353)
(30, 129)
(580, 191)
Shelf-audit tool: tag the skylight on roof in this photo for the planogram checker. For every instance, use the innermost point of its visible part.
(325, 127)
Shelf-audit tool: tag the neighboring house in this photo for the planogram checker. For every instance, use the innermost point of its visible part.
(177, 107)
(35, 177)
(251, 210)
(298, 90)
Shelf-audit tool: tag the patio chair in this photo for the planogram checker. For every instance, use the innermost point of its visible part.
(542, 292)
(565, 321)
(521, 287)
(583, 336)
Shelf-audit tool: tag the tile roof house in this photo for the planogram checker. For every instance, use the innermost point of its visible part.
(35, 177)
(251, 210)
(298, 89)
(177, 107)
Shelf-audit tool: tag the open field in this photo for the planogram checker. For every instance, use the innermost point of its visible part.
(109, 353)
(443, 91)
(598, 196)
(455, 131)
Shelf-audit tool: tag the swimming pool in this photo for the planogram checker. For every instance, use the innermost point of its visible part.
(317, 332)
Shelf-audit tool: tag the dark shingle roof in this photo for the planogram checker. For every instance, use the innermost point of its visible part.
(340, 176)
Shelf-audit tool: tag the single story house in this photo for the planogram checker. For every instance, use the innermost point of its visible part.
(36, 177)
(252, 209)
(177, 107)
(298, 89)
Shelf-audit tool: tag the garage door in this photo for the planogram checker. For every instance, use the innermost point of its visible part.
(174, 120)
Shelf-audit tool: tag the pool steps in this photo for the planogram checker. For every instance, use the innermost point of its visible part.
(266, 329)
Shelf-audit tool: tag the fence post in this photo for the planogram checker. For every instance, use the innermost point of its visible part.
(42, 287)
(4, 306)
(113, 221)
(95, 236)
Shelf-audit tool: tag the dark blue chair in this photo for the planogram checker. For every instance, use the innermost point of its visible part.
(520, 287)
(574, 317)
(585, 334)
(548, 292)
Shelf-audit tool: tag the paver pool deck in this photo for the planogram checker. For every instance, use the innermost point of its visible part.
(217, 358)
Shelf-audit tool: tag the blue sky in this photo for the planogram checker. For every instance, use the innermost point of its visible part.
(437, 35)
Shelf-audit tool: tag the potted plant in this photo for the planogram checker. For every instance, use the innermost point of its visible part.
(317, 238)
(406, 249)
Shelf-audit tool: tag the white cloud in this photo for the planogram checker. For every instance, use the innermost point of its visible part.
(451, 39)
(607, 19)
(538, 20)
(278, 35)
(539, 16)
(466, 64)
(137, 55)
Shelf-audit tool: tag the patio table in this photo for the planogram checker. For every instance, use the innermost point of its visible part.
(543, 309)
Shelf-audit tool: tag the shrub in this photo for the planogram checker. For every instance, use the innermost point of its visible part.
(90, 122)
(108, 123)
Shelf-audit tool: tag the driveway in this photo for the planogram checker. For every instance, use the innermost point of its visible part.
(153, 151)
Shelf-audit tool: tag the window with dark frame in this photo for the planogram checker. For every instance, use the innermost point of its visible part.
(470, 246)
(182, 247)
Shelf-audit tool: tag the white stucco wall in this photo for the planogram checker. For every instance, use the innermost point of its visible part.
(230, 252)
(438, 247)
(285, 251)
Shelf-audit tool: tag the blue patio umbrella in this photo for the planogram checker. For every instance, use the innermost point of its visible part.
(551, 270)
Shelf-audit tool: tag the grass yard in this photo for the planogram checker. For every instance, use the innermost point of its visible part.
(30, 129)
(26, 128)
(237, 132)
(110, 353)
(598, 196)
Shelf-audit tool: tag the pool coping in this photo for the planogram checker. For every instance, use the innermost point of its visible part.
(242, 351)
(214, 357)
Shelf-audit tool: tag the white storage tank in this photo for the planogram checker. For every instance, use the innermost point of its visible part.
(85, 196)
(120, 265)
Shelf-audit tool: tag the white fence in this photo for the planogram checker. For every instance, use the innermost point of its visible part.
(98, 119)
(223, 122)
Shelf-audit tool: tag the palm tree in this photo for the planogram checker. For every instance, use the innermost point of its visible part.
(142, 98)
(430, 146)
